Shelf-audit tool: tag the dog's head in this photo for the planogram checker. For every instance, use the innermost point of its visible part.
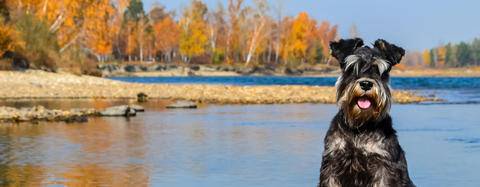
(363, 91)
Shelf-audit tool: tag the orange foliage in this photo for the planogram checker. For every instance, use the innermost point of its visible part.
(9, 39)
(98, 27)
(244, 32)
(303, 28)
(304, 37)
(166, 34)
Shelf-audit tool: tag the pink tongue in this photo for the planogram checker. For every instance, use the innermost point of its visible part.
(364, 103)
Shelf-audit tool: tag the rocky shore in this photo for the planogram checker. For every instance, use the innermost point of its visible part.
(213, 70)
(45, 85)
(321, 70)
(78, 115)
(40, 113)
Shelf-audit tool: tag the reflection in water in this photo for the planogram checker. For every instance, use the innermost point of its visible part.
(17, 175)
(261, 145)
(105, 151)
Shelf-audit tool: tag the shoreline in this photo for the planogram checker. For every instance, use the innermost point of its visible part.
(36, 85)
(172, 70)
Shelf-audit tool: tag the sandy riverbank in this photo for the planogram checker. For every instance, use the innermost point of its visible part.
(44, 85)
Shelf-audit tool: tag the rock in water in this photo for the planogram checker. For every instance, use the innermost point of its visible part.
(137, 108)
(183, 104)
(142, 97)
(77, 119)
(123, 110)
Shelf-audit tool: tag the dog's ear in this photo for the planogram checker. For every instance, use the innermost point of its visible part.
(343, 48)
(390, 52)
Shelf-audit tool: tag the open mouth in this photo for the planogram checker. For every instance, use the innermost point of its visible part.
(364, 103)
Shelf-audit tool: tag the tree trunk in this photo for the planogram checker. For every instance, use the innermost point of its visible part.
(253, 44)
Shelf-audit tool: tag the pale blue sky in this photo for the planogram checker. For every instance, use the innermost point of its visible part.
(413, 24)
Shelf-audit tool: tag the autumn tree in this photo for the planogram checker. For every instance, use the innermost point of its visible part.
(236, 36)
(327, 34)
(64, 18)
(218, 34)
(303, 28)
(441, 52)
(118, 27)
(99, 28)
(194, 35)
(167, 34)
(240, 32)
(158, 13)
(257, 23)
(135, 25)
(427, 60)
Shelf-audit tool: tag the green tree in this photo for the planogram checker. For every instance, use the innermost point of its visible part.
(134, 11)
(464, 54)
(433, 58)
(475, 48)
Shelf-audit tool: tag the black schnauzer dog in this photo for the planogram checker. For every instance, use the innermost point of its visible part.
(361, 146)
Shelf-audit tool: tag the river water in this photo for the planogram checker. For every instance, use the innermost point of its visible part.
(226, 145)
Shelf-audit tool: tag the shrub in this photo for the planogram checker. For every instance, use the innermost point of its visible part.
(40, 44)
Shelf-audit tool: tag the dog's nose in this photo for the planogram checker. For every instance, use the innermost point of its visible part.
(366, 85)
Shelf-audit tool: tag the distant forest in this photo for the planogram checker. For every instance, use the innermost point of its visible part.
(83, 33)
(451, 55)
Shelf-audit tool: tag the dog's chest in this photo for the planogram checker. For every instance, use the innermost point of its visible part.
(356, 158)
(366, 145)
(359, 152)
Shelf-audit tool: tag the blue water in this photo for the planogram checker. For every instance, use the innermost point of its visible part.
(397, 82)
(457, 90)
(225, 145)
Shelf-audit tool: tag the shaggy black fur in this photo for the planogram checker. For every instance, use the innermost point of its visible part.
(361, 146)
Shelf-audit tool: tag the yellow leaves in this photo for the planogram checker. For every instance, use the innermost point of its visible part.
(194, 36)
(441, 54)
(426, 57)
(9, 39)
(193, 39)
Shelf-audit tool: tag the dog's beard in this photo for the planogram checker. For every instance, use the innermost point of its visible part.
(361, 107)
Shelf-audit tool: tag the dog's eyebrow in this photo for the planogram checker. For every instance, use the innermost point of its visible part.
(351, 60)
(382, 65)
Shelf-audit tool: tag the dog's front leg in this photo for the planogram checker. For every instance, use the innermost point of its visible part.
(329, 182)
(327, 173)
